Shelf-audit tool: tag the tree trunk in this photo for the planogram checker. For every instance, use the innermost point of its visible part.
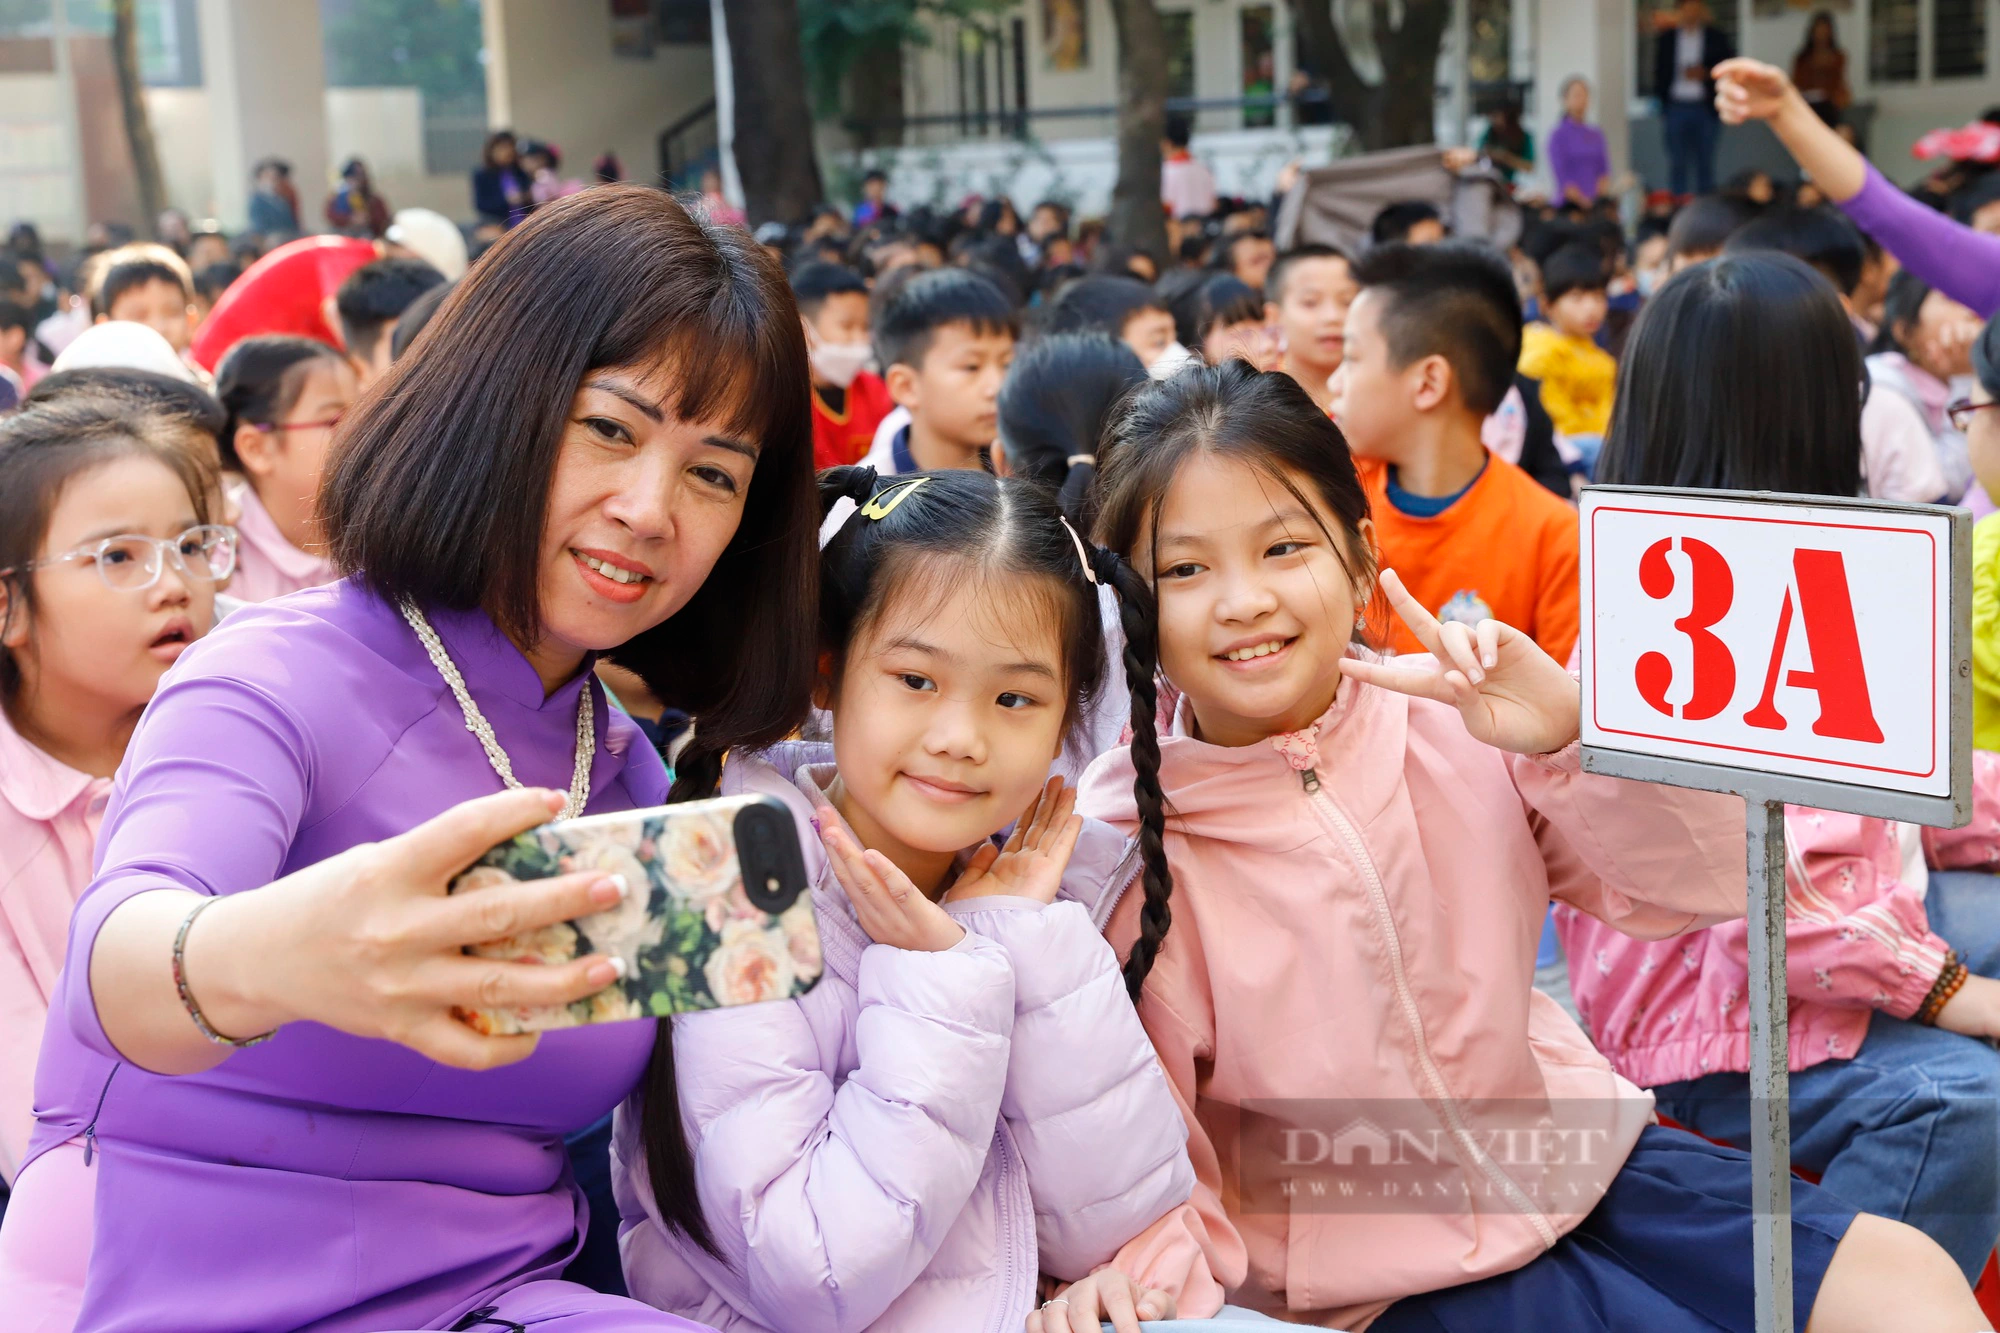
(138, 125)
(1399, 111)
(1407, 107)
(1327, 55)
(1137, 219)
(875, 95)
(774, 128)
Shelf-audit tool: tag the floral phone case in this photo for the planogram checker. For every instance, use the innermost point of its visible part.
(695, 932)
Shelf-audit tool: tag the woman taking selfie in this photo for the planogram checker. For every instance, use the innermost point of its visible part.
(282, 1123)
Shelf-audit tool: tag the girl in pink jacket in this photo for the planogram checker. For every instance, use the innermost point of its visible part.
(966, 1100)
(108, 573)
(1390, 1127)
(1895, 1098)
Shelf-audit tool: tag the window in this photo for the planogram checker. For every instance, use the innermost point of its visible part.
(1892, 41)
(1259, 64)
(1179, 26)
(1958, 39)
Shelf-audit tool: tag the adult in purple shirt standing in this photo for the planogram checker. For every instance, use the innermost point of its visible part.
(1578, 158)
(1962, 263)
(602, 444)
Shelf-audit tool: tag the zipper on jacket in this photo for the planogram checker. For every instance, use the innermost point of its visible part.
(90, 1130)
(1006, 1222)
(1378, 897)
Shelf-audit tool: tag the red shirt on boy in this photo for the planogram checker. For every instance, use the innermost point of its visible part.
(843, 436)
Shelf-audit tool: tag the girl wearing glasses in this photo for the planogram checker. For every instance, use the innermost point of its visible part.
(284, 396)
(108, 570)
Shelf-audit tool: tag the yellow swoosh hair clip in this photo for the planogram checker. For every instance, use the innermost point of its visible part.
(884, 502)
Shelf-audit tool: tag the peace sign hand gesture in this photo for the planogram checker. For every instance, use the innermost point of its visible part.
(1512, 695)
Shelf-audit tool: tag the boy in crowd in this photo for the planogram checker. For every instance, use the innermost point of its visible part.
(1247, 256)
(146, 284)
(848, 401)
(17, 333)
(1413, 220)
(1432, 342)
(1576, 374)
(1307, 296)
(369, 301)
(1700, 230)
(209, 285)
(944, 339)
(1187, 189)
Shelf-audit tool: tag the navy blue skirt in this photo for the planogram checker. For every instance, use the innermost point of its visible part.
(1667, 1249)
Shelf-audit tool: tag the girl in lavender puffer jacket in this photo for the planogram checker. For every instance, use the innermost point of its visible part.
(967, 1101)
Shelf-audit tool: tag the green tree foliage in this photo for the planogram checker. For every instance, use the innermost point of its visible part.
(839, 35)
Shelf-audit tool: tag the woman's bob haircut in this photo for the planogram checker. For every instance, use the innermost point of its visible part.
(438, 488)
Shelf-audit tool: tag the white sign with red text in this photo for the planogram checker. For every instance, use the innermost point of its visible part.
(1811, 640)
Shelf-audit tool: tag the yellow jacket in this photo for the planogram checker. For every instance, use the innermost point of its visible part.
(1986, 633)
(1577, 378)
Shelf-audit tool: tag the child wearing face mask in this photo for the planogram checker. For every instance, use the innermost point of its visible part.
(1391, 1128)
(1129, 311)
(966, 1098)
(108, 570)
(848, 400)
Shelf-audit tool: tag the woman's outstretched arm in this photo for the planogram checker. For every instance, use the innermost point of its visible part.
(1955, 259)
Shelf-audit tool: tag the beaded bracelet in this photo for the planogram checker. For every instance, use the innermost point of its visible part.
(187, 996)
(1950, 979)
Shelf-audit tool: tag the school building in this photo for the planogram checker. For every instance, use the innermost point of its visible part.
(1025, 102)
(229, 82)
(1020, 100)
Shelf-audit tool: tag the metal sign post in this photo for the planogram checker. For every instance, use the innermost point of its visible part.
(1787, 649)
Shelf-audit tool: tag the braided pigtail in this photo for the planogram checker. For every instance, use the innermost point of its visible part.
(1139, 620)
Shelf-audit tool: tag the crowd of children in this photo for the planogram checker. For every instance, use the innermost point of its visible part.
(1176, 715)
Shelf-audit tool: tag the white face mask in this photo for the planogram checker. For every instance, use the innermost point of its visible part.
(1167, 362)
(839, 362)
(1650, 280)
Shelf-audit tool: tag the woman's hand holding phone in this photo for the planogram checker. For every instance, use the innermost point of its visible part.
(367, 942)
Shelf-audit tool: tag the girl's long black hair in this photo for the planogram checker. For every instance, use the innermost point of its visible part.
(1740, 374)
(1061, 391)
(1231, 411)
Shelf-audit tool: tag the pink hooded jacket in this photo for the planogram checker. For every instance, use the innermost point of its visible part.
(1356, 909)
(1857, 939)
(911, 1143)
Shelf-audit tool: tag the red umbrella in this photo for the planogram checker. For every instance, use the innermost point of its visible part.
(1977, 142)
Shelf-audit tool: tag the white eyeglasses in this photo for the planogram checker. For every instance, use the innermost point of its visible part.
(132, 563)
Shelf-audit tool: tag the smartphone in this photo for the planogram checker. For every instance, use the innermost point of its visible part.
(717, 914)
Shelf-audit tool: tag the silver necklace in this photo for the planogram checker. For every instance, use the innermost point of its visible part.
(476, 723)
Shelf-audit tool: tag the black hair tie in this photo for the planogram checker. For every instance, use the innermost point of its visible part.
(1104, 564)
(860, 486)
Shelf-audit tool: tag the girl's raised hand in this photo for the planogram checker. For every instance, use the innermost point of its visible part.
(1031, 864)
(1512, 695)
(1105, 1297)
(890, 909)
(1748, 89)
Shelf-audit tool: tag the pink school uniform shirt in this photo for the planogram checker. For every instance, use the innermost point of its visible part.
(267, 565)
(49, 813)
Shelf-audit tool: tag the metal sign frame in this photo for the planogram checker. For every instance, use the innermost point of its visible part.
(1766, 795)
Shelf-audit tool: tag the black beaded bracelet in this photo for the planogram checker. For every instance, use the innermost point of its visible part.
(187, 996)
